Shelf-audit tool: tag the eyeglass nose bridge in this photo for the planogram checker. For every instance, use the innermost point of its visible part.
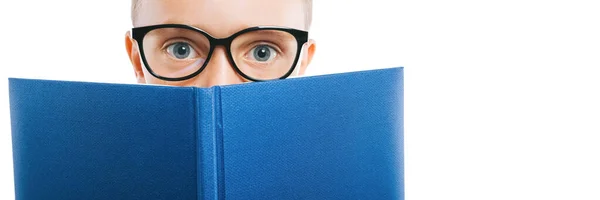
(225, 42)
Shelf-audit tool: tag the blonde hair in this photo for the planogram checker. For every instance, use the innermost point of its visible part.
(135, 5)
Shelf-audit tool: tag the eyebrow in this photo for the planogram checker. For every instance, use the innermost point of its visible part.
(274, 33)
(229, 32)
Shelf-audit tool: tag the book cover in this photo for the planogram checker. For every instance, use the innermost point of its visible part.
(337, 136)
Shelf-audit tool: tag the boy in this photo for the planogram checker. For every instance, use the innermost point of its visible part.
(218, 42)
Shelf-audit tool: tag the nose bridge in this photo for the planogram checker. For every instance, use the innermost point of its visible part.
(219, 70)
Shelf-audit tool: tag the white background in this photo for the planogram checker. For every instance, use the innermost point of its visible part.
(502, 97)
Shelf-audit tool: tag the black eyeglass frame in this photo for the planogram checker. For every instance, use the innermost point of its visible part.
(138, 34)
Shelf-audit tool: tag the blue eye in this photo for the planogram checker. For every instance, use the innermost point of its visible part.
(263, 53)
(181, 50)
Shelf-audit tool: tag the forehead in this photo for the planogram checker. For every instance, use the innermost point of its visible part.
(222, 18)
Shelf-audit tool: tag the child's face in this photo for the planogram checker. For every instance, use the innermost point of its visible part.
(220, 19)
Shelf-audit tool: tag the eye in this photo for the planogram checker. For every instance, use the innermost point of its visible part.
(263, 53)
(181, 50)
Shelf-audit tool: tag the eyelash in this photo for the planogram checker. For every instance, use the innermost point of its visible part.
(269, 44)
(170, 42)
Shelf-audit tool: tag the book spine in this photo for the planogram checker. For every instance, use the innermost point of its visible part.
(218, 134)
(210, 151)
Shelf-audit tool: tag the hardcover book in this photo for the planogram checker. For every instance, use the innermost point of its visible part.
(336, 136)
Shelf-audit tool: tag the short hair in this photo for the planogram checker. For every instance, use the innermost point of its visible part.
(135, 4)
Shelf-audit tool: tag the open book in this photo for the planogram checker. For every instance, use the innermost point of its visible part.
(336, 136)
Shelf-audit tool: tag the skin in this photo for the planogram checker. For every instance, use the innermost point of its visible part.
(220, 18)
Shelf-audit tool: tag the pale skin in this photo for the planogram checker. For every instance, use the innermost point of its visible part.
(220, 18)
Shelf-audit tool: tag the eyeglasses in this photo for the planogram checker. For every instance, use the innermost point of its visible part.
(176, 52)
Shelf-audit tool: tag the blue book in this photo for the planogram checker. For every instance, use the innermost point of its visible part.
(336, 136)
